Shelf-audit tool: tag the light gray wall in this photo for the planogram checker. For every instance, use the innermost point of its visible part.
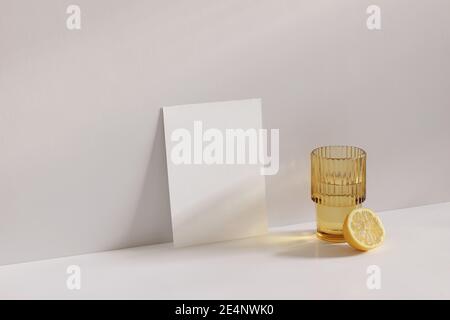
(82, 164)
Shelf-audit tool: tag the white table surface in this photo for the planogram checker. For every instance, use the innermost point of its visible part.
(288, 263)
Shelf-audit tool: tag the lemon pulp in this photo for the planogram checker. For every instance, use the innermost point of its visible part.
(363, 229)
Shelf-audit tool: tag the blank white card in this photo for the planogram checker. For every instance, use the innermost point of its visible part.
(217, 191)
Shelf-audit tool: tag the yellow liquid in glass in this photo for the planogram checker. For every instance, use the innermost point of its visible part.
(330, 221)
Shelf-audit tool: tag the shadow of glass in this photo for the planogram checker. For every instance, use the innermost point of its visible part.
(318, 249)
(291, 244)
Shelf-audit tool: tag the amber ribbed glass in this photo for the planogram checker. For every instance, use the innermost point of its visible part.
(338, 184)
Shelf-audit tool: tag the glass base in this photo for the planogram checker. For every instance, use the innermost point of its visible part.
(334, 238)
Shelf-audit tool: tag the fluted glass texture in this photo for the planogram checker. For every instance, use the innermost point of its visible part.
(338, 176)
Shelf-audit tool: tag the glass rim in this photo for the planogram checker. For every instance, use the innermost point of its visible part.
(361, 152)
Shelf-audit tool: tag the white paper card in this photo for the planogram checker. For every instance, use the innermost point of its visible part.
(215, 195)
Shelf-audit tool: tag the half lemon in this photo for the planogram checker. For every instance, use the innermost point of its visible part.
(363, 229)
